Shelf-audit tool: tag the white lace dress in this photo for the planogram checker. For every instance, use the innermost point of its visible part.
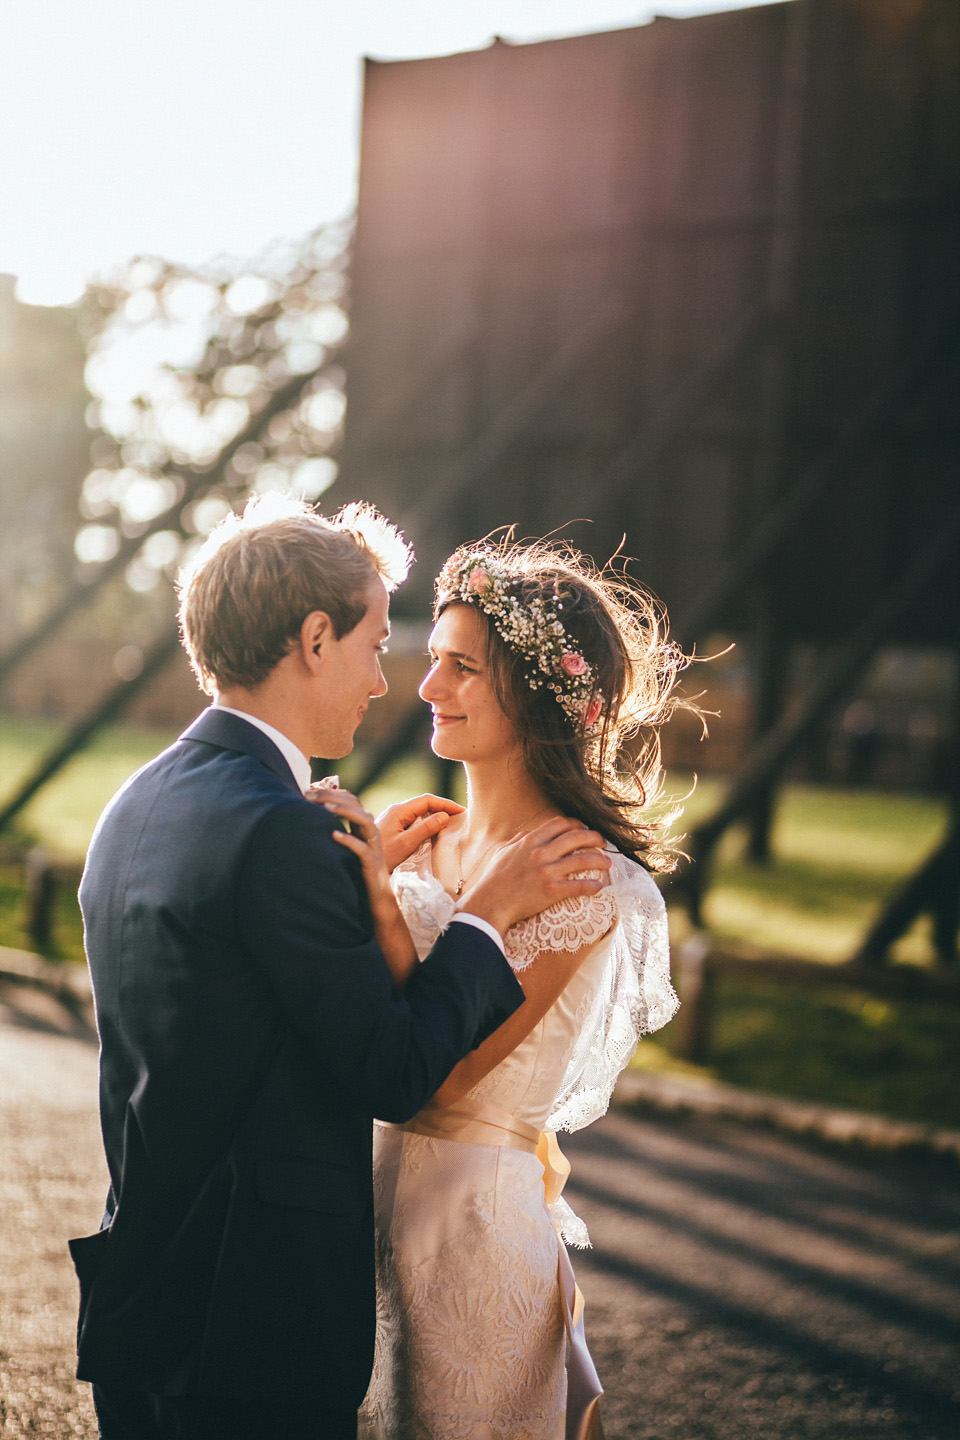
(470, 1328)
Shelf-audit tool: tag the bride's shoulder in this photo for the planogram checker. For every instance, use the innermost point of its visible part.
(632, 884)
(574, 924)
(630, 902)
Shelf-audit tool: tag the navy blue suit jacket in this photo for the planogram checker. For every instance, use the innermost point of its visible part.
(249, 1031)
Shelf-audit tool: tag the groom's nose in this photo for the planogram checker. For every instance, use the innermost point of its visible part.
(381, 686)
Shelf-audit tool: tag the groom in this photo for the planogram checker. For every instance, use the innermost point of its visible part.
(249, 1028)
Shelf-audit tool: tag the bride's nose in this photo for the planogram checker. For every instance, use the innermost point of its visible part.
(430, 686)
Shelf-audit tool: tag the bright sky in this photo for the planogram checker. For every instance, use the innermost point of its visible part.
(191, 128)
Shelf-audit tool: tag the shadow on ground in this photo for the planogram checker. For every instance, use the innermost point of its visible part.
(743, 1283)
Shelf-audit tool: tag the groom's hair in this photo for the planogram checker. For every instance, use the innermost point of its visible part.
(257, 576)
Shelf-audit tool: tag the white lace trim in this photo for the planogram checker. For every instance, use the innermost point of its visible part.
(634, 996)
(568, 926)
(568, 1225)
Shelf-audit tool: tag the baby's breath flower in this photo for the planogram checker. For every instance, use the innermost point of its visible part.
(534, 630)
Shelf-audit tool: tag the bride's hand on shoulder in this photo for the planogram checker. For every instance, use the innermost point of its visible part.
(362, 838)
(404, 827)
(538, 870)
(360, 833)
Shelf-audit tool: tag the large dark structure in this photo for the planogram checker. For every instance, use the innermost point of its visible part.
(698, 282)
(651, 276)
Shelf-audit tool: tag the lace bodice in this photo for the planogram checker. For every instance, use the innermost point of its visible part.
(562, 1075)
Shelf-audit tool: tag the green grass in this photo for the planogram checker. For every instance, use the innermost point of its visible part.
(832, 1046)
(838, 855)
(67, 942)
(62, 815)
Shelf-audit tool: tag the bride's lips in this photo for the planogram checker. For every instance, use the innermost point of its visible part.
(445, 719)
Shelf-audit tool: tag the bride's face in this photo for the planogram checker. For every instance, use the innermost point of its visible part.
(468, 723)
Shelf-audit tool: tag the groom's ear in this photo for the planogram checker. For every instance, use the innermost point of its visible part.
(316, 635)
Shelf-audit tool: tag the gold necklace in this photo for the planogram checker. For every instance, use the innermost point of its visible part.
(497, 844)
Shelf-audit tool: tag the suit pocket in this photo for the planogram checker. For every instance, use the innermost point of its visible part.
(310, 1185)
(87, 1254)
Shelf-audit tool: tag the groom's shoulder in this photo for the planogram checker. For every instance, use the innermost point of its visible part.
(289, 823)
(193, 808)
(197, 787)
(243, 792)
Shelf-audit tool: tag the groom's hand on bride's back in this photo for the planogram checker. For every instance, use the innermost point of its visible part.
(536, 871)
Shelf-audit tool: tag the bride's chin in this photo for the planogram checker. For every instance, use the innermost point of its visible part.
(441, 750)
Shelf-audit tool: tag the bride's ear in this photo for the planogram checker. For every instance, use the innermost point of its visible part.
(316, 636)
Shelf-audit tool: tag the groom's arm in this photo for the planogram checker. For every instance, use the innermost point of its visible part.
(304, 921)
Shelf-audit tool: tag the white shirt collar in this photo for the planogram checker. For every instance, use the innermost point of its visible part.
(293, 755)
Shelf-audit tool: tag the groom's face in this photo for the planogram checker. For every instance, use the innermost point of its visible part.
(351, 676)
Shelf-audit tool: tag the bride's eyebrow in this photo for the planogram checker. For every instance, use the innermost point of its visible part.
(453, 655)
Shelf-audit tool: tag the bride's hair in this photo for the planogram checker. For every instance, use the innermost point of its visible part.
(581, 665)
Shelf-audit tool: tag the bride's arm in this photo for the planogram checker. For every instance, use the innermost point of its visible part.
(543, 982)
(389, 926)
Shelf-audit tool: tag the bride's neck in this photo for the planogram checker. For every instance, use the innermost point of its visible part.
(501, 799)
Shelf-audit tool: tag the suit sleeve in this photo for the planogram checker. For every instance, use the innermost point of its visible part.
(305, 923)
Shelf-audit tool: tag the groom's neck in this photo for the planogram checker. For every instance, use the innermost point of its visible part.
(272, 703)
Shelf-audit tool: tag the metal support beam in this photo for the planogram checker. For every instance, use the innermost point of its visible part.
(109, 708)
(834, 681)
(935, 887)
(83, 591)
(776, 373)
(771, 678)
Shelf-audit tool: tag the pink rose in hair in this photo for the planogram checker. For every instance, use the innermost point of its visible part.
(574, 664)
(479, 580)
(592, 713)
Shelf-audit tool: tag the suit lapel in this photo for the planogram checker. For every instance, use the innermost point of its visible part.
(228, 732)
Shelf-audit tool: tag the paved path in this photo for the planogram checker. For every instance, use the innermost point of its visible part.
(741, 1284)
(52, 1185)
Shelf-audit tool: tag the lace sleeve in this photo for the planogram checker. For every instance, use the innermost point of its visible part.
(635, 996)
(567, 926)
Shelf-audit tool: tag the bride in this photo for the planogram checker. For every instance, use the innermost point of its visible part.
(548, 682)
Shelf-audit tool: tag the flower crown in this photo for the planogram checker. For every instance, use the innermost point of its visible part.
(533, 628)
